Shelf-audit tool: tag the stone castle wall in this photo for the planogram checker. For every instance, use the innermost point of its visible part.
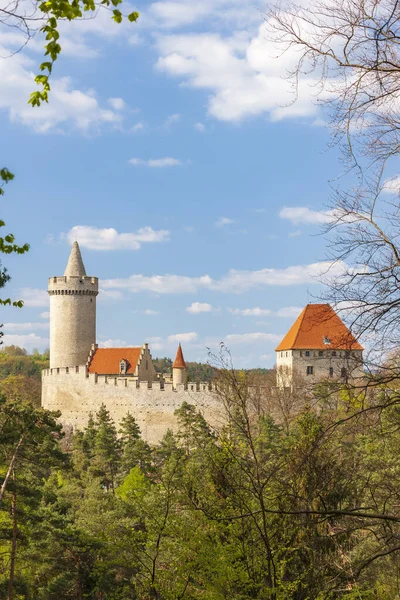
(294, 363)
(76, 394)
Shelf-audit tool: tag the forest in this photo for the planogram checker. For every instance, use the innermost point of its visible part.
(281, 502)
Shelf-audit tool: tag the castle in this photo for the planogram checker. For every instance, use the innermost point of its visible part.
(83, 376)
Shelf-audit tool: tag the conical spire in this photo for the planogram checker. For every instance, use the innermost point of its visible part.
(179, 362)
(75, 266)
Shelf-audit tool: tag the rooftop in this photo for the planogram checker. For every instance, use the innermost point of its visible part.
(318, 327)
(179, 362)
(75, 266)
(106, 361)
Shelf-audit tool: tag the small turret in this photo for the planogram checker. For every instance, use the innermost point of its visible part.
(179, 369)
(72, 313)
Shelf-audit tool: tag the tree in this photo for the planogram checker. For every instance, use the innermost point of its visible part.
(135, 451)
(45, 18)
(7, 243)
(26, 434)
(351, 49)
(106, 449)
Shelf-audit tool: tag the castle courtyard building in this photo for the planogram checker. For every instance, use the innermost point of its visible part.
(318, 347)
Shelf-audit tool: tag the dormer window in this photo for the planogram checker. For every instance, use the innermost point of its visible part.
(327, 341)
(123, 366)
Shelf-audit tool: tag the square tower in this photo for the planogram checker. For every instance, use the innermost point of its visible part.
(318, 347)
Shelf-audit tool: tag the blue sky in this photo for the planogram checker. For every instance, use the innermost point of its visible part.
(172, 151)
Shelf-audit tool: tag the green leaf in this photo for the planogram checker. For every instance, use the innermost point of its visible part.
(117, 16)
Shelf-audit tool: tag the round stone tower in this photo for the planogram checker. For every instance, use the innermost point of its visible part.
(179, 369)
(72, 313)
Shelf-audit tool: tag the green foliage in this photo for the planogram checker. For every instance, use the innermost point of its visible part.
(54, 12)
(8, 245)
(253, 510)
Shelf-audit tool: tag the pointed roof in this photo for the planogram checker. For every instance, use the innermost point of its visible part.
(179, 362)
(318, 327)
(75, 266)
(106, 361)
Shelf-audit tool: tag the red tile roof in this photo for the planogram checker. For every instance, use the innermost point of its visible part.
(179, 362)
(318, 327)
(106, 361)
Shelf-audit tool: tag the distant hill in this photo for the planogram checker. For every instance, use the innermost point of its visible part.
(20, 373)
(204, 371)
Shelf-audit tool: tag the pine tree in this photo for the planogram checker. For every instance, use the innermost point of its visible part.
(106, 451)
(135, 451)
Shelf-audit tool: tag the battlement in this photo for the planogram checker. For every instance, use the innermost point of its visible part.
(67, 285)
(131, 382)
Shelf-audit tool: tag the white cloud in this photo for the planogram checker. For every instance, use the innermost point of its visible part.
(116, 103)
(222, 221)
(250, 312)
(392, 186)
(241, 72)
(294, 233)
(27, 341)
(171, 120)
(135, 40)
(246, 338)
(139, 126)
(183, 337)
(95, 238)
(68, 105)
(160, 284)
(178, 14)
(289, 311)
(109, 295)
(24, 327)
(302, 214)
(113, 344)
(45, 315)
(34, 297)
(233, 282)
(159, 163)
(199, 127)
(200, 307)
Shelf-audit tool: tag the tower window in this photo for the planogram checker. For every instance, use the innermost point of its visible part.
(310, 370)
(307, 353)
(330, 371)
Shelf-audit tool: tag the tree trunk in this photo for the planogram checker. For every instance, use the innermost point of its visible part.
(14, 540)
(10, 468)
